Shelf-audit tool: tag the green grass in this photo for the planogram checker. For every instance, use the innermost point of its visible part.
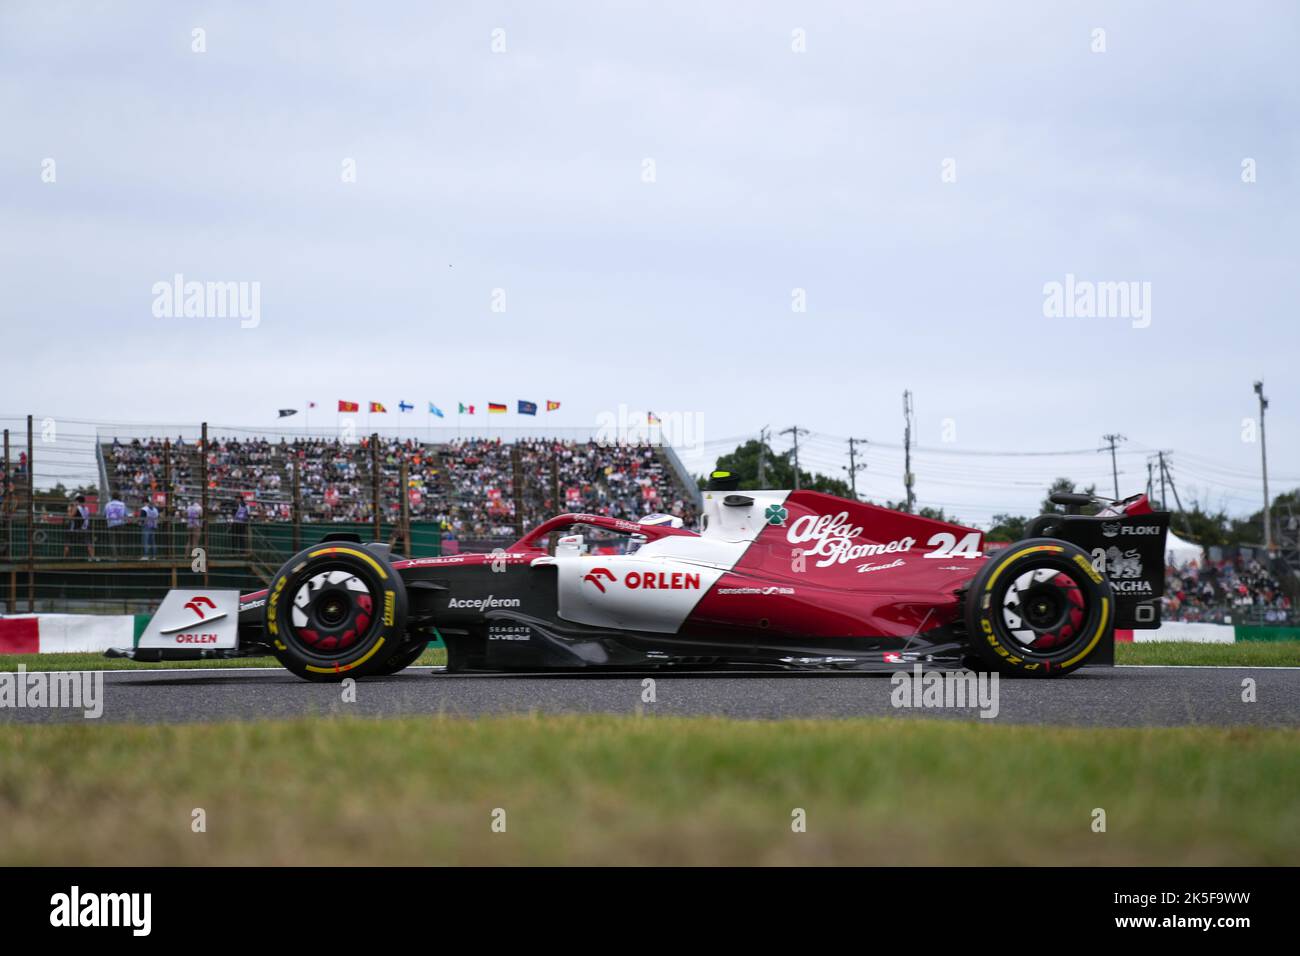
(98, 662)
(1245, 654)
(645, 790)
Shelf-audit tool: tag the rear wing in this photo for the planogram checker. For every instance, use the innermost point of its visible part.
(1129, 551)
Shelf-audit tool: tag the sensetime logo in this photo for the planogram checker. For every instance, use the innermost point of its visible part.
(74, 908)
(945, 690)
(72, 690)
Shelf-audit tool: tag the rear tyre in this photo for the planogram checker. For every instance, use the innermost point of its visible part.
(335, 611)
(1038, 609)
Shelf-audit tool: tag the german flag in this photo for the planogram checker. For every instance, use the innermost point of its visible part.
(378, 407)
(348, 406)
(495, 409)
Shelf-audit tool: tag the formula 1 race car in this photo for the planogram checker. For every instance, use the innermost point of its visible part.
(786, 579)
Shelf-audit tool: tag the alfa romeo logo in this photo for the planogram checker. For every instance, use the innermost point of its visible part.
(776, 515)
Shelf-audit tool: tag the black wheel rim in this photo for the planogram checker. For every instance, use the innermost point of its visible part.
(331, 610)
(1044, 610)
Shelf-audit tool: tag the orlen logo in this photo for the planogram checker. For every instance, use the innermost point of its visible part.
(646, 580)
(595, 575)
(194, 604)
(196, 638)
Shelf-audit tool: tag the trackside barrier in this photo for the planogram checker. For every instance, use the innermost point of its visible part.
(68, 633)
(1184, 631)
(76, 633)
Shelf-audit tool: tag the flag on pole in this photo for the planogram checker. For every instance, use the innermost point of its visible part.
(286, 412)
(311, 404)
(435, 410)
(552, 406)
(527, 408)
(348, 406)
(466, 409)
(496, 409)
(378, 407)
(403, 405)
(652, 419)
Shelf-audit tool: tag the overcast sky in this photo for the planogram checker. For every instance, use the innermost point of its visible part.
(524, 169)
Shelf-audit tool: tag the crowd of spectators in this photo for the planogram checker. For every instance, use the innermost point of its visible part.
(1224, 591)
(472, 488)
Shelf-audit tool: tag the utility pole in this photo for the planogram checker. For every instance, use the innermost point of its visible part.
(1161, 456)
(1149, 479)
(1114, 468)
(796, 431)
(1263, 460)
(1166, 472)
(908, 478)
(762, 455)
(853, 467)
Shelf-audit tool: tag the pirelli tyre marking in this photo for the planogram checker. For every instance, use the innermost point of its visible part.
(340, 668)
(1087, 567)
(272, 606)
(994, 576)
(379, 569)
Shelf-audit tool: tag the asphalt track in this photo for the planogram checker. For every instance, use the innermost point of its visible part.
(1120, 696)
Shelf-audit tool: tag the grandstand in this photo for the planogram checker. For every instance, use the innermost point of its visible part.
(252, 500)
(476, 488)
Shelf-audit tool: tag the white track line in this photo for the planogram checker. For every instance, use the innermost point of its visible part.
(1192, 667)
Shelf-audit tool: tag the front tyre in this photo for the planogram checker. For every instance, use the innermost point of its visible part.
(335, 611)
(1038, 609)
(402, 658)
